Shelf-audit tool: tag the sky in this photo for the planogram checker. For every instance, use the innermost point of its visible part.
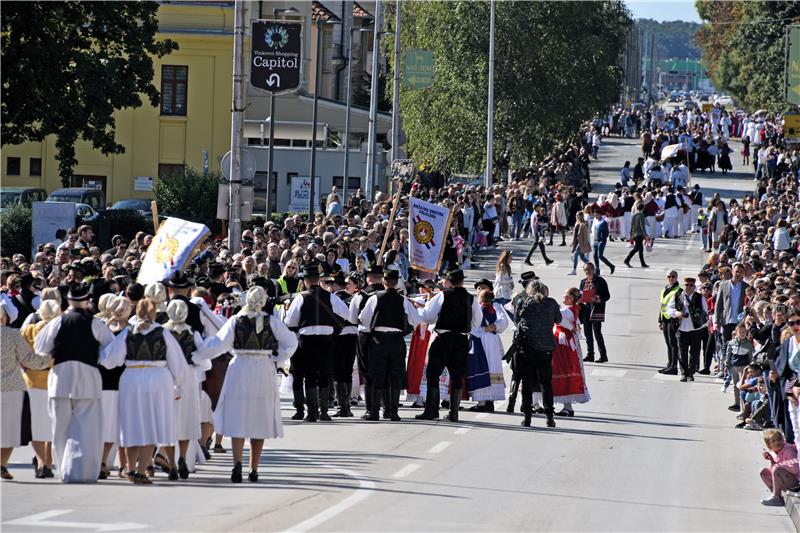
(661, 11)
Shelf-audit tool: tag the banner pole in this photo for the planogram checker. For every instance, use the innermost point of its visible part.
(389, 228)
(154, 209)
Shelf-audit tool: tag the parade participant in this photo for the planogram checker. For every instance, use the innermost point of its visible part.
(118, 312)
(538, 314)
(75, 387)
(569, 377)
(157, 293)
(512, 309)
(581, 245)
(187, 407)
(15, 353)
(667, 325)
(26, 300)
(314, 314)
(152, 381)
(689, 309)
(503, 279)
(455, 312)
(638, 233)
(344, 345)
(418, 350)
(593, 310)
(599, 240)
(357, 304)
(388, 316)
(249, 404)
(485, 381)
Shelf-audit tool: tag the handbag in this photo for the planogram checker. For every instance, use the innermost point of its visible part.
(761, 357)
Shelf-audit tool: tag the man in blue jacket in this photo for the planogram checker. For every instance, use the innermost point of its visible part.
(599, 240)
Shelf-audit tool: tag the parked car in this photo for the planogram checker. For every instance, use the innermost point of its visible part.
(84, 213)
(724, 100)
(21, 195)
(142, 205)
(95, 198)
(704, 97)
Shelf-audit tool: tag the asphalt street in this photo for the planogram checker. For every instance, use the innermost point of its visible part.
(647, 453)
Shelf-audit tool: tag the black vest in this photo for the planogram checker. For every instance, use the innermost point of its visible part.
(75, 340)
(186, 341)
(193, 316)
(146, 346)
(456, 312)
(24, 304)
(245, 336)
(317, 309)
(389, 310)
(345, 297)
(670, 201)
(366, 293)
(695, 304)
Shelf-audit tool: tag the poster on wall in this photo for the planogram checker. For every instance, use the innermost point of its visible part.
(300, 193)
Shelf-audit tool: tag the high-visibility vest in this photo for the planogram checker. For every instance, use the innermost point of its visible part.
(666, 296)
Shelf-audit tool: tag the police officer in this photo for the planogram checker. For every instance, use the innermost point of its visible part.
(357, 304)
(344, 343)
(388, 317)
(314, 314)
(667, 325)
(454, 311)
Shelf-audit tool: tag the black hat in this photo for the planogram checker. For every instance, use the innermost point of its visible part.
(179, 280)
(391, 273)
(311, 270)
(259, 281)
(374, 270)
(77, 267)
(455, 275)
(527, 277)
(338, 278)
(216, 270)
(26, 279)
(78, 292)
(486, 282)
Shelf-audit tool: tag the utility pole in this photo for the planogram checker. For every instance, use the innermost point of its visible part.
(373, 102)
(396, 93)
(487, 179)
(237, 116)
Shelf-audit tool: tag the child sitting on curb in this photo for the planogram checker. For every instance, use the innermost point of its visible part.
(781, 474)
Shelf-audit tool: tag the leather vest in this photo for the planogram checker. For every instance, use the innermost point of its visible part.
(186, 341)
(389, 310)
(75, 340)
(456, 311)
(146, 346)
(317, 309)
(245, 336)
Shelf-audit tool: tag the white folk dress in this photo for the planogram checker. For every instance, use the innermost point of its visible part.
(249, 404)
(492, 348)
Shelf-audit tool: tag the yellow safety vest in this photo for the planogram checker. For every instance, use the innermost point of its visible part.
(666, 296)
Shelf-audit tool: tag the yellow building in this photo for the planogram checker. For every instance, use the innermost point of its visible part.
(191, 126)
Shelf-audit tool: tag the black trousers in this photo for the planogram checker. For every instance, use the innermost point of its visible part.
(344, 347)
(488, 225)
(709, 343)
(387, 359)
(312, 362)
(592, 329)
(536, 369)
(689, 345)
(362, 354)
(638, 247)
(727, 332)
(449, 350)
(671, 340)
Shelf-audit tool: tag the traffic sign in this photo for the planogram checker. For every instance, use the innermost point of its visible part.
(247, 162)
(792, 81)
(791, 128)
(275, 59)
(418, 69)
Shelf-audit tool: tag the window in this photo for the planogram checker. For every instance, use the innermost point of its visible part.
(337, 182)
(36, 166)
(13, 166)
(289, 176)
(353, 183)
(166, 171)
(174, 81)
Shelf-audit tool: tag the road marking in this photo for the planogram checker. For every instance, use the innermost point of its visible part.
(407, 470)
(43, 520)
(440, 447)
(461, 431)
(365, 488)
(481, 415)
(608, 373)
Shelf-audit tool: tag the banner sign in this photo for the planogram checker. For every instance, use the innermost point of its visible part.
(275, 59)
(171, 249)
(428, 225)
(49, 217)
(301, 191)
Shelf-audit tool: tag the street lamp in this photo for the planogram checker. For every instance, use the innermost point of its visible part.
(373, 112)
(312, 173)
(345, 174)
(275, 12)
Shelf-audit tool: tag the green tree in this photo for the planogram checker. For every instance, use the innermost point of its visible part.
(16, 230)
(190, 196)
(556, 64)
(674, 39)
(68, 66)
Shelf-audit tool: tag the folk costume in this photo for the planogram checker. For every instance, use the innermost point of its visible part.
(569, 378)
(344, 347)
(357, 304)
(485, 381)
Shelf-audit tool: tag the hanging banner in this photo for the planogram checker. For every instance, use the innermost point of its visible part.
(300, 193)
(171, 249)
(428, 225)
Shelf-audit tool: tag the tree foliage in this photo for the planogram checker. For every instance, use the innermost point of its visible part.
(191, 196)
(674, 39)
(556, 64)
(15, 230)
(743, 48)
(68, 66)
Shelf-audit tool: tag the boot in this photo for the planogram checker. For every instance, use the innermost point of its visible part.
(342, 398)
(386, 403)
(551, 421)
(349, 397)
(312, 400)
(374, 414)
(367, 400)
(324, 400)
(527, 410)
(512, 397)
(455, 400)
(394, 398)
(299, 399)
(431, 411)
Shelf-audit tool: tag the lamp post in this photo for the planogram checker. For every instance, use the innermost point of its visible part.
(396, 89)
(237, 116)
(346, 172)
(373, 102)
(275, 12)
(487, 178)
(312, 172)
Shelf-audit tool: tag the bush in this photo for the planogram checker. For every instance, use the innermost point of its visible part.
(16, 230)
(192, 197)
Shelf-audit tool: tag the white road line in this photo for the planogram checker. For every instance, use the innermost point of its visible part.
(608, 373)
(364, 490)
(440, 447)
(461, 431)
(481, 415)
(407, 470)
(43, 520)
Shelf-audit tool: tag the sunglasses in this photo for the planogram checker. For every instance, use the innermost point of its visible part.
(688, 284)
(794, 322)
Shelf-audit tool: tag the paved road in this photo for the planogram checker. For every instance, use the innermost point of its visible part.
(648, 452)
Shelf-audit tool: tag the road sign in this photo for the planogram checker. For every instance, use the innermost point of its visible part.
(791, 128)
(275, 59)
(418, 69)
(247, 161)
(792, 80)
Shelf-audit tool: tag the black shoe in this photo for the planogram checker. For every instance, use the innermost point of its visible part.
(704, 372)
(173, 474)
(548, 262)
(46, 472)
(612, 268)
(690, 378)
(510, 407)
(299, 415)
(603, 359)
(551, 423)
(565, 412)
(394, 417)
(627, 263)
(219, 448)
(236, 473)
(324, 417)
(528, 262)
(539, 410)
(670, 372)
(253, 476)
(183, 470)
(645, 265)
(428, 414)
(311, 418)
(526, 422)
(103, 472)
(588, 359)
(372, 417)
(734, 408)
(40, 474)
(740, 425)
(206, 453)
(684, 379)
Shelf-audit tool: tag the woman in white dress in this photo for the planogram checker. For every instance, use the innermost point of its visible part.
(485, 377)
(249, 404)
(148, 388)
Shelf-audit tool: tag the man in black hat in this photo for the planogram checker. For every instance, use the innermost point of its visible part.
(483, 285)
(26, 301)
(180, 285)
(344, 344)
(313, 313)
(216, 287)
(357, 304)
(454, 311)
(75, 340)
(513, 308)
(388, 316)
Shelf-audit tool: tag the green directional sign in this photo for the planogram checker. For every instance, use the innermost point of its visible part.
(793, 66)
(418, 69)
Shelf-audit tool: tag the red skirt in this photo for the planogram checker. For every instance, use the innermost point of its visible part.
(416, 358)
(567, 375)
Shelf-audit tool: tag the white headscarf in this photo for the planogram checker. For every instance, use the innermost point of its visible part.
(256, 299)
(177, 311)
(156, 293)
